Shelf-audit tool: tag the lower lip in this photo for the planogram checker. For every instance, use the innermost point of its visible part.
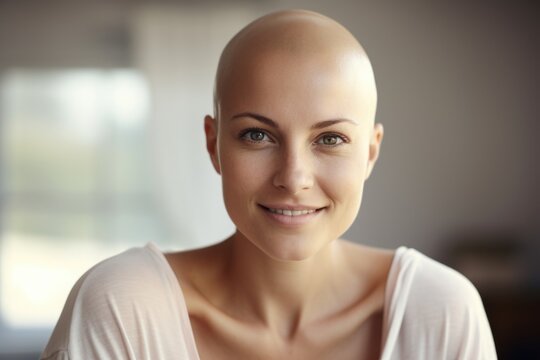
(292, 221)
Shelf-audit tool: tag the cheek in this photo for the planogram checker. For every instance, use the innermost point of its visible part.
(343, 177)
(343, 184)
(243, 172)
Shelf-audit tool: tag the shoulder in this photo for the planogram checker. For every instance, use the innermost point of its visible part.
(434, 305)
(437, 280)
(431, 290)
(116, 302)
(135, 278)
(438, 290)
(133, 271)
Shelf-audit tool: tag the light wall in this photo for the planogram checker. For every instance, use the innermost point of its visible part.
(457, 84)
(455, 96)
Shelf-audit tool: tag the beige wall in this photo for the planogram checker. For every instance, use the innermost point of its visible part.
(457, 86)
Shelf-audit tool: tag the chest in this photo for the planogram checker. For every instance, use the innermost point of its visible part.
(242, 342)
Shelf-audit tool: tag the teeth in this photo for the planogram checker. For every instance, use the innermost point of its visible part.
(291, 212)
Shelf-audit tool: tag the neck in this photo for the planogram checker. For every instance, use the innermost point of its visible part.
(282, 295)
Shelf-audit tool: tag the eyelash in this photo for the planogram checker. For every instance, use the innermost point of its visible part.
(343, 139)
(244, 135)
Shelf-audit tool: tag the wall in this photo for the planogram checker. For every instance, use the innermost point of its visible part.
(455, 96)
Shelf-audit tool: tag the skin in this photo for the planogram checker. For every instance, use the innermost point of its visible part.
(294, 126)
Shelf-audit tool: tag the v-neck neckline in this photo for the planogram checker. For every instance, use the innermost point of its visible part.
(186, 323)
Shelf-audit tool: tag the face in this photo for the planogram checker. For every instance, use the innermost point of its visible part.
(294, 144)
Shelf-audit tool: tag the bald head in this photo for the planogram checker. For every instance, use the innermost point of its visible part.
(297, 41)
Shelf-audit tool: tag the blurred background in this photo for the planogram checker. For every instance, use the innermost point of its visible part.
(102, 148)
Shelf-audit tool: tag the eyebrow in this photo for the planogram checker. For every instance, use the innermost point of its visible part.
(272, 123)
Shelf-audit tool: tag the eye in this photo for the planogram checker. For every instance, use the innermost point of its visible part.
(331, 140)
(254, 135)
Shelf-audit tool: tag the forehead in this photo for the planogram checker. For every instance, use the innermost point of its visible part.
(315, 85)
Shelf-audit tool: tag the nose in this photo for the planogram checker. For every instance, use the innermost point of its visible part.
(294, 172)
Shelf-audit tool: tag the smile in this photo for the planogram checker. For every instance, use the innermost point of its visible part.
(291, 216)
(291, 212)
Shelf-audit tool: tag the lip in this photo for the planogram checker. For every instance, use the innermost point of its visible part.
(291, 221)
(291, 207)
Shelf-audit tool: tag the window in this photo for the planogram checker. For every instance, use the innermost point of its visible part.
(73, 180)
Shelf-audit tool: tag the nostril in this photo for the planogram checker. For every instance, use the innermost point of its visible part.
(294, 180)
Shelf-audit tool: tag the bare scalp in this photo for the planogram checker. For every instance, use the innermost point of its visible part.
(303, 35)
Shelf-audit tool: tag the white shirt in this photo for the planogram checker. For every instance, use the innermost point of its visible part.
(131, 306)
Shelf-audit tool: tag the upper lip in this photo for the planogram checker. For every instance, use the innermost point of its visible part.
(291, 207)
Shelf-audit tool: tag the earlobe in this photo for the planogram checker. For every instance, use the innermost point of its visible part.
(374, 147)
(211, 131)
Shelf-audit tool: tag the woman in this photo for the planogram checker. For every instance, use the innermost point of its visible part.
(293, 137)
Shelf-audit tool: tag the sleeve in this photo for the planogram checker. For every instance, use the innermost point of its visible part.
(113, 312)
(445, 317)
(94, 323)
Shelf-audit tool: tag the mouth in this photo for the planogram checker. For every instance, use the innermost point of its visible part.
(291, 216)
(292, 212)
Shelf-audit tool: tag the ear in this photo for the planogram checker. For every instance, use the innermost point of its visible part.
(374, 147)
(211, 131)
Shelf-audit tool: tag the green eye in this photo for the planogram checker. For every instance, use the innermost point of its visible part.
(330, 140)
(254, 135)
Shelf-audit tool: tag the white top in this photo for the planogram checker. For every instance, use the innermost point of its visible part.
(131, 306)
